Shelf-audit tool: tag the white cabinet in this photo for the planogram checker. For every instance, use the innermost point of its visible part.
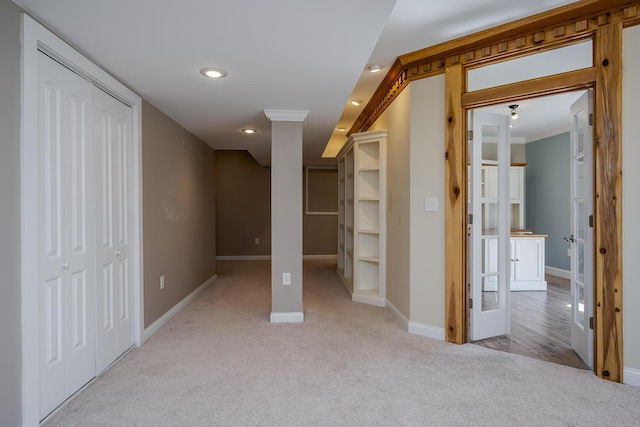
(527, 263)
(361, 217)
(516, 192)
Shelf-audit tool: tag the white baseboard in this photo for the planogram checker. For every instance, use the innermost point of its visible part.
(366, 298)
(565, 274)
(416, 328)
(631, 376)
(398, 315)
(320, 257)
(268, 257)
(290, 317)
(155, 326)
(426, 331)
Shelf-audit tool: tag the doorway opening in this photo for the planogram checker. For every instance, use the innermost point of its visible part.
(546, 223)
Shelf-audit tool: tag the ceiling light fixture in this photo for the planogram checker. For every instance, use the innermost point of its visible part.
(357, 102)
(249, 131)
(342, 129)
(213, 73)
(374, 68)
(514, 113)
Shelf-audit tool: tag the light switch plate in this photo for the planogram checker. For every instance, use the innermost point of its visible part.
(430, 204)
(286, 278)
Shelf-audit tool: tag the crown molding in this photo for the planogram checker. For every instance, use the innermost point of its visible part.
(287, 116)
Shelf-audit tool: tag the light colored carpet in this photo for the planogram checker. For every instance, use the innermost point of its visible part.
(220, 362)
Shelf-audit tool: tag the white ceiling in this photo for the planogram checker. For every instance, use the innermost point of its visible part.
(280, 54)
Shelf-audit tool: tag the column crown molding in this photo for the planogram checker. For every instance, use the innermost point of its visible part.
(287, 116)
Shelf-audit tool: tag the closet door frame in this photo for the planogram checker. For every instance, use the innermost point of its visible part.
(35, 37)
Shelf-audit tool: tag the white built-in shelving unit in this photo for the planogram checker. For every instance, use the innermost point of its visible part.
(362, 216)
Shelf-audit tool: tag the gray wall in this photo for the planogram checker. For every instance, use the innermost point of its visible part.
(320, 232)
(243, 210)
(243, 205)
(10, 335)
(179, 212)
(548, 192)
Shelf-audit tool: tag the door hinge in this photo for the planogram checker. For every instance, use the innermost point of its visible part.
(590, 119)
(470, 219)
(470, 302)
(590, 322)
(591, 221)
(470, 135)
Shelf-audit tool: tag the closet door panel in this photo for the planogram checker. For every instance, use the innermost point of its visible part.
(67, 265)
(113, 159)
(79, 231)
(123, 166)
(106, 212)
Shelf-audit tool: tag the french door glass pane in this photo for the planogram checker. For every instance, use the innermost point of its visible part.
(580, 220)
(579, 301)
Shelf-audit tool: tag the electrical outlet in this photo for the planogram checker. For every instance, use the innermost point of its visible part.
(162, 282)
(430, 205)
(257, 240)
(286, 278)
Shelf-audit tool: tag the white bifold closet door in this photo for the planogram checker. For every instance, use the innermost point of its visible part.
(85, 215)
(67, 233)
(114, 284)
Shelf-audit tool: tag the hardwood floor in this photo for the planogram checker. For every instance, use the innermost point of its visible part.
(540, 325)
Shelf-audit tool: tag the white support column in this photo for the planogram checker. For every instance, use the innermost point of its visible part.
(286, 214)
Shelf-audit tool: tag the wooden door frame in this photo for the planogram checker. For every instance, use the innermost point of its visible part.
(606, 78)
(599, 20)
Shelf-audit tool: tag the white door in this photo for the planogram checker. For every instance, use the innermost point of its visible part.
(489, 244)
(581, 238)
(67, 239)
(112, 125)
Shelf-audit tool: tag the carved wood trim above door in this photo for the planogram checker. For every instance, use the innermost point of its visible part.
(549, 30)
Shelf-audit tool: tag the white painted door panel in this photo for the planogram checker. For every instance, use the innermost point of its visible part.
(67, 264)
(123, 118)
(489, 242)
(112, 124)
(581, 238)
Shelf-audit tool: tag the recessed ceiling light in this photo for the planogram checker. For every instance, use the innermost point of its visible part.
(213, 73)
(249, 131)
(342, 129)
(357, 102)
(374, 68)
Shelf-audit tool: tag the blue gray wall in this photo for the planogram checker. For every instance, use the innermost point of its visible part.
(548, 195)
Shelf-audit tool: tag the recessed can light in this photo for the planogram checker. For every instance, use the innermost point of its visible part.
(374, 68)
(213, 73)
(357, 102)
(249, 131)
(342, 129)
